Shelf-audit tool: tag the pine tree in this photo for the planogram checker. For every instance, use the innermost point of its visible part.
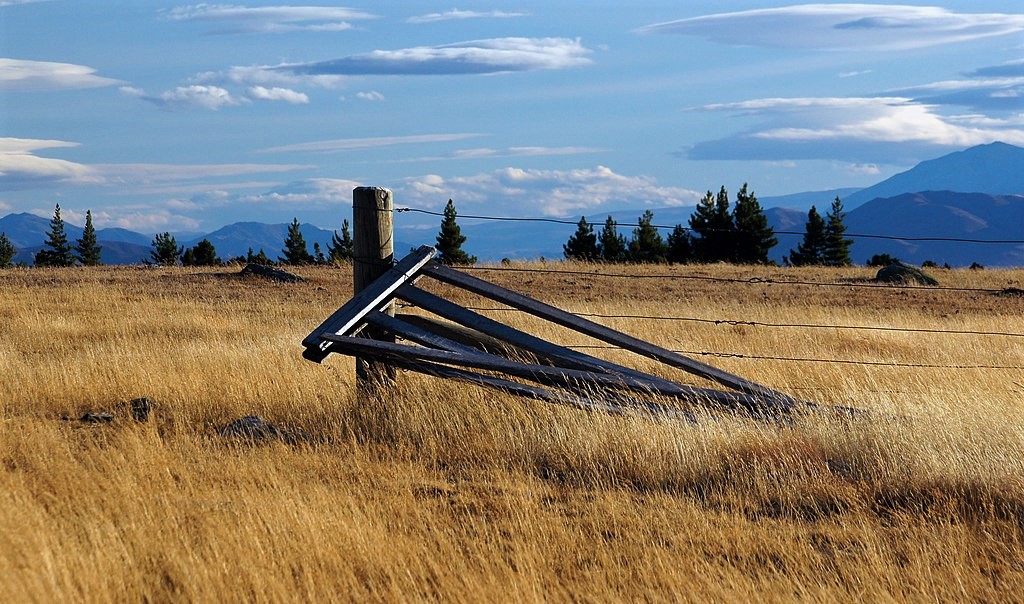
(811, 251)
(7, 251)
(611, 246)
(58, 250)
(837, 247)
(318, 254)
(754, 238)
(647, 246)
(165, 249)
(680, 248)
(582, 244)
(260, 258)
(86, 250)
(201, 254)
(713, 224)
(295, 251)
(340, 249)
(450, 239)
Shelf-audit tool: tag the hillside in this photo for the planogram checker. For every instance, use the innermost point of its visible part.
(947, 214)
(994, 169)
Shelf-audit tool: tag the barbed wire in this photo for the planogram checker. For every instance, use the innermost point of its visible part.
(688, 229)
(739, 322)
(736, 355)
(750, 280)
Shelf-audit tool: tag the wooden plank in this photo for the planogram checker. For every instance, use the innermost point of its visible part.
(373, 297)
(547, 374)
(566, 357)
(555, 396)
(465, 336)
(598, 331)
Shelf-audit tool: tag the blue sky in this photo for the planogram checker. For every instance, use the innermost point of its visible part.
(184, 117)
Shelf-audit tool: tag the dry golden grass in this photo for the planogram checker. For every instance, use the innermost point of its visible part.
(449, 492)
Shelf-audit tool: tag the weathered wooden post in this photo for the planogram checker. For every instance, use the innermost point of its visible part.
(373, 255)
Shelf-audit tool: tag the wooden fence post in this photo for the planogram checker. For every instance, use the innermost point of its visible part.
(373, 255)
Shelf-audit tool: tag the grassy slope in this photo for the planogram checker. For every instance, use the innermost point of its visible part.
(454, 493)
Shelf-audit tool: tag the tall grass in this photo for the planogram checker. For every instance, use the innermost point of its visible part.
(446, 491)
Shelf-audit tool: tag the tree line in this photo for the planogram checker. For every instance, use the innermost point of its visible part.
(58, 251)
(718, 232)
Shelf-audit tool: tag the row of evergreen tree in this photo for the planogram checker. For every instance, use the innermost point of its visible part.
(717, 232)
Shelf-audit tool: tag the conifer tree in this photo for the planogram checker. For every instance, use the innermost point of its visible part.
(295, 251)
(86, 250)
(811, 251)
(165, 249)
(340, 248)
(582, 244)
(57, 250)
(201, 254)
(647, 246)
(7, 251)
(713, 224)
(318, 254)
(753, 238)
(680, 248)
(260, 258)
(837, 247)
(450, 239)
(611, 246)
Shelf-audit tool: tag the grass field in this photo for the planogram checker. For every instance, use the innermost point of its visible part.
(449, 492)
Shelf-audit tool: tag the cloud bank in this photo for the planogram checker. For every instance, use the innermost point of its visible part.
(456, 14)
(858, 130)
(517, 191)
(21, 168)
(35, 76)
(271, 19)
(497, 55)
(848, 27)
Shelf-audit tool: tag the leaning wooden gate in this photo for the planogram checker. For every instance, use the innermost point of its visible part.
(469, 344)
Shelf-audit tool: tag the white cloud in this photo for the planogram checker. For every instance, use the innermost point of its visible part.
(864, 169)
(850, 27)
(349, 144)
(21, 168)
(188, 97)
(277, 94)
(267, 75)
(456, 14)
(18, 75)
(146, 220)
(4, 3)
(853, 74)
(518, 191)
(271, 19)
(371, 95)
(859, 130)
(496, 55)
(311, 193)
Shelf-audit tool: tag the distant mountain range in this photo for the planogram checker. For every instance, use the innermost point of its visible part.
(977, 193)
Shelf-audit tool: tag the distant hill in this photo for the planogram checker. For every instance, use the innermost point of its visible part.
(804, 201)
(944, 214)
(996, 169)
(237, 239)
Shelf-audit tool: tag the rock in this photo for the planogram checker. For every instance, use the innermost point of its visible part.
(1011, 291)
(255, 428)
(140, 408)
(904, 273)
(269, 272)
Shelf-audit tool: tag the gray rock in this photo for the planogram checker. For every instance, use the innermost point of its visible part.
(904, 273)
